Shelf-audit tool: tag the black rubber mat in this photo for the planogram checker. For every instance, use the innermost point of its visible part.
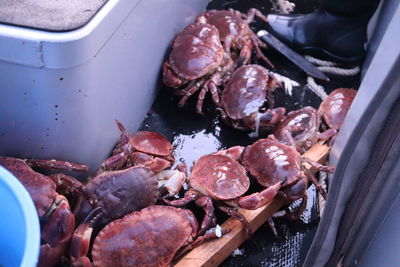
(193, 136)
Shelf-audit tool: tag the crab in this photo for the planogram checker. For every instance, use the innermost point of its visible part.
(154, 236)
(145, 148)
(235, 33)
(118, 193)
(197, 61)
(335, 107)
(279, 168)
(217, 178)
(301, 128)
(244, 97)
(115, 194)
(56, 219)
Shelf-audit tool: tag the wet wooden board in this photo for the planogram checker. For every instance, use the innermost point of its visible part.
(214, 252)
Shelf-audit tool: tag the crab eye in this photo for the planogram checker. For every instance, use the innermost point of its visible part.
(264, 107)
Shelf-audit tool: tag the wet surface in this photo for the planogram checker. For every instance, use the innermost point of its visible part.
(194, 135)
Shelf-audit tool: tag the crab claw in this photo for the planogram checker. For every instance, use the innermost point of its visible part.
(56, 232)
(257, 200)
(170, 79)
(171, 180)
(272, 116)
(234, 152)
(80, 241)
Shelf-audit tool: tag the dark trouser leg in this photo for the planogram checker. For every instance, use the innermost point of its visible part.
(350, 8)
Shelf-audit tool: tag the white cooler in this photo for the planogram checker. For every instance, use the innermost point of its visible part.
(69, 69)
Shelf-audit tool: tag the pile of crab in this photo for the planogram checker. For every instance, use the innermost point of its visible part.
(127, 213)
(133, 211)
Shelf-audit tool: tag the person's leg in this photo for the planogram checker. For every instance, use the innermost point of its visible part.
(337, 31)
(350, 8)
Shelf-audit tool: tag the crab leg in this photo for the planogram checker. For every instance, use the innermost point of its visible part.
(66, 184)
(256, 200)
(190, 90)
(56, 232)
(203, 91)
(118, 160)
(80, 242)
(259, 53)
(207, 236)
(296, 213)
(271, 225)
(124, 138)
(319, 166)
(245, 54)
(253, 12)
(57, 165)
(312, 179)
(214, 92)
(211, 84)
(198, 241)
(190, 196)
(326, 135)
(233, 212)
(288, 138)
(225, 118)
(209, 220)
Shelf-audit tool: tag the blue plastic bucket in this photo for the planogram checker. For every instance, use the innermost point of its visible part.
(19, 224)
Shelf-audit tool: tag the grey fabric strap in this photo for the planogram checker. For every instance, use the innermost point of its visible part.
(49, 15)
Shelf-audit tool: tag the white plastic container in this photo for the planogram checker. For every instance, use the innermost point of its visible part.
(60, 92)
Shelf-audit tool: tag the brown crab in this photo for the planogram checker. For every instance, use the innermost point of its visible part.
(197, 61)
(248, 92)
(57, 220)
(235, 33)
(118, 193)
(149, 149)
(218, 178)
(335, 107)
(154, 236)
(302, 128)
(279, 168)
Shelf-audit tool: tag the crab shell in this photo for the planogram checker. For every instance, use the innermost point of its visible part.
(307, 122)
(246, 91)
(150, 143)
(335, 107)
(196, 52)
(150, 237)
(220, 177)
(150, 149)
(271, 162)
(120, 192)
(41, 189)
(228, 23)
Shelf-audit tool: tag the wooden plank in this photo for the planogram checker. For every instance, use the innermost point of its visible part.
(214, 252)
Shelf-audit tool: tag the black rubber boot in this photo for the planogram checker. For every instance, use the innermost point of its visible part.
(323, 35)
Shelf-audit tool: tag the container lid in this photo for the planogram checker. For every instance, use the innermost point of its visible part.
(49, 15)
